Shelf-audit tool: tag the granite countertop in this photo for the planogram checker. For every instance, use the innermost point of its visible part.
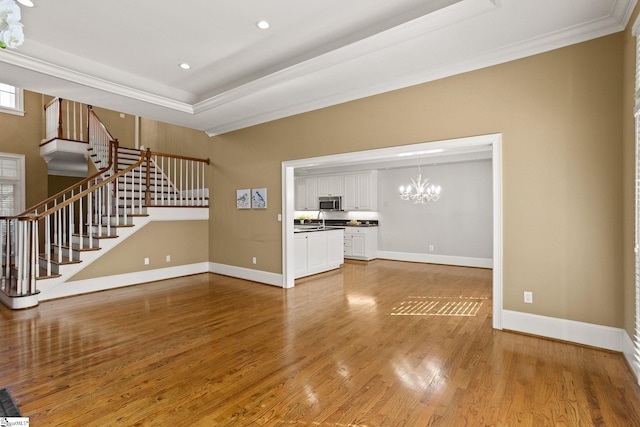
(339, 223)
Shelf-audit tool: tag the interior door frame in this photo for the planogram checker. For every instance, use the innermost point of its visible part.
(491, 142)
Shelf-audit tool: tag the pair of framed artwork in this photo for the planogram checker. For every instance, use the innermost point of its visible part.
(255, 198)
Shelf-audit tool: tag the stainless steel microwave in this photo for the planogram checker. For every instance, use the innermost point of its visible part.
(333, 203)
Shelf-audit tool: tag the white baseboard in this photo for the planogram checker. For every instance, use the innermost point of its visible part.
(628, 351)
(566, 330)
(437, 259)
(259, 276)
(18, 303)
(117, 281)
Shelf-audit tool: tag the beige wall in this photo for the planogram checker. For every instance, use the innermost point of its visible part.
(121, 126)
(182, 240)
(559, 114)
(628, 171)
(171, 139)
(22, 135)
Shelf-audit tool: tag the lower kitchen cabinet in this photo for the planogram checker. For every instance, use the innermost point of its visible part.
(318, 251)
(361, 243)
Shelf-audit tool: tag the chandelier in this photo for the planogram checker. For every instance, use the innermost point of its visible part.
(420, 191)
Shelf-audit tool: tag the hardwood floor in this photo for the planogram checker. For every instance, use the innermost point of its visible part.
(363, 346)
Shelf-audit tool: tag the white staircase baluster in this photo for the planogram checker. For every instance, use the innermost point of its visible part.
(34, 267)
(47, 243)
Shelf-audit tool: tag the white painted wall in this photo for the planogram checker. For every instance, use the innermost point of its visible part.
(460, 224)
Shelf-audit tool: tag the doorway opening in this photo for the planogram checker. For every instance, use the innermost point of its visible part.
(491, 143)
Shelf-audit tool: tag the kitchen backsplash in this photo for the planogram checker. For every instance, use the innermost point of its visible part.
(351, 215)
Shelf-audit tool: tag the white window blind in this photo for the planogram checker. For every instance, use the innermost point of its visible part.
(11, 184)
(637, 208)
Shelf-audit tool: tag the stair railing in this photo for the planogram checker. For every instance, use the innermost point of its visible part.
(173, 180)
(35, 244)
(65, 119)
(75, 218)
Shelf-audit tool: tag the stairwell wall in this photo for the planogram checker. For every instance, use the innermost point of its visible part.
(182, 241)
(22, 135)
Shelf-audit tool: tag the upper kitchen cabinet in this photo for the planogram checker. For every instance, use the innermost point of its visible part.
(330, 185)
(306, 194)
(361, 191)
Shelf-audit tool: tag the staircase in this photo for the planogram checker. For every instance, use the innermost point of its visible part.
(48, 243)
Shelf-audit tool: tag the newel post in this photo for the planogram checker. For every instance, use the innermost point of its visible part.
(113, 155)
(60, 117)
(147, 191)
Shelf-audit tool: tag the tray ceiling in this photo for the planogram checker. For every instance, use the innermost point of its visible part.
(124, 55)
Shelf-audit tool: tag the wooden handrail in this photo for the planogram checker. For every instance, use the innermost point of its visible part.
(87, 191)
(50, 103)
(91, 112)
(179, 157)
(67, 190)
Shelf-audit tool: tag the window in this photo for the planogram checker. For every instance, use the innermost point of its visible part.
(11, 100)
(636, 367)
(11, 184)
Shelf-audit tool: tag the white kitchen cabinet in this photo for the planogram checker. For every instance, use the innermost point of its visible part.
(330, 185)
(306, 194)
(317, 251)
(361, 191)
(361, 243)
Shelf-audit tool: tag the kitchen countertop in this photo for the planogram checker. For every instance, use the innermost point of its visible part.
(337, 223)
(311, 228)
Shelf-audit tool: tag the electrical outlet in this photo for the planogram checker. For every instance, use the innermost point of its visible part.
(431, 248)
(528, 297)
(168, 258)
(146, 261)
(255, 260)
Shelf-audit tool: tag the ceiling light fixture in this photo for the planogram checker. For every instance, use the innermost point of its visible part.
(184, 65)
(423, 191)
(27, 3)
(263, 25)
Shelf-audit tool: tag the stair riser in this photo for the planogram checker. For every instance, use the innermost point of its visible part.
(102, 231)
(121, 220)
(55, 268)
(75, 254)
(87, 242)
(130, 212)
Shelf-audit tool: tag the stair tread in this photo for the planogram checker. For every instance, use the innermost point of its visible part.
(64, 260)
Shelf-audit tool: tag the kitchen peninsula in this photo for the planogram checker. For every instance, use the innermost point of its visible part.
(317, 249)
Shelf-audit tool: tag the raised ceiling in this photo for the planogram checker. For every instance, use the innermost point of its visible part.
(124, 55)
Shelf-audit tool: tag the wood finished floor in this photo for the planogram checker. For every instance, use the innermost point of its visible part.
(210, 350)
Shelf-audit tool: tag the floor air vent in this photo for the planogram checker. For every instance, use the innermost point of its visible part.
(8, 407)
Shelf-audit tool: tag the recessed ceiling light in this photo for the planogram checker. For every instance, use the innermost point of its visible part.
(27, 3)
(184, 65)
(263, 25)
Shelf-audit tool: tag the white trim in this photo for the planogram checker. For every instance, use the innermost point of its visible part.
(566, 330)
(18, 110)
(171, 213)
(18, 303)
(629, 354)
(475, 143)
(498, 286)
(259, 276)
(437, 259)
(120, 280)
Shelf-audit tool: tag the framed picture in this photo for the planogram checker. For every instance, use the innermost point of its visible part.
(259, 198)
(243, 199)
